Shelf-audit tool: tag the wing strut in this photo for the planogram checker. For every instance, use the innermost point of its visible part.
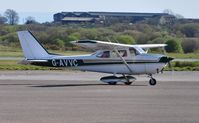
(123, 60)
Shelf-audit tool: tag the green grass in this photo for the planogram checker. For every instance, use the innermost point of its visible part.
(184, 66)
(11, 54)
(17, 52)
(20, 53)
(185, 56)
(14, 65)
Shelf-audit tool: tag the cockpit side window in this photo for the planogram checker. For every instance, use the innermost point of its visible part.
(112, 54)
(133, 52)
(122, 53)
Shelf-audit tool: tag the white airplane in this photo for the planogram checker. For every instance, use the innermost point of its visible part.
(114, 58)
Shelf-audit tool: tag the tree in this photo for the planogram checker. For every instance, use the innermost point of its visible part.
(30, 20)
(12, 16)
(3, 20)
(173, 45)
(170, 12)
(190, 29)
(126, 39)
(158, 40)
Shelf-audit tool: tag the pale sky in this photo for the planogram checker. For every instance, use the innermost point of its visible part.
(187, 8)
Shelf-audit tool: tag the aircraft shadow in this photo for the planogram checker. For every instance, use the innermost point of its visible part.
(16, 84)
(79, 85)
(65, 85)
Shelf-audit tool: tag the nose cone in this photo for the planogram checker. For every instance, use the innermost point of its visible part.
(165, 59)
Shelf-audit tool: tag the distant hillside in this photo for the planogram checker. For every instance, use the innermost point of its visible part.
(182, 35)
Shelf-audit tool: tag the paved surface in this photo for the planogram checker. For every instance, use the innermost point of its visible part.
(78, 97)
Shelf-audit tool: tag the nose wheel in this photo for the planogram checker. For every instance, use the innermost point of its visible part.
(152, 81)
(127, 83)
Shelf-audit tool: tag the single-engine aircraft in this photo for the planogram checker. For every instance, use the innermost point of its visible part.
(114, 58)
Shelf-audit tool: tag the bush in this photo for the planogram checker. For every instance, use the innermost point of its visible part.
(173, 45)
(184, 64)
(60, 44)
(190, 45)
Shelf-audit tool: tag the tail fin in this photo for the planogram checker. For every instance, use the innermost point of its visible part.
(32, 49)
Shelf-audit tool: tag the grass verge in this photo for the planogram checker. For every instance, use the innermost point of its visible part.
(13, 65)
(184, 66)
(184, 56)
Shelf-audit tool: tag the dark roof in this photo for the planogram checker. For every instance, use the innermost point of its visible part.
(126, 14)
(130, 14)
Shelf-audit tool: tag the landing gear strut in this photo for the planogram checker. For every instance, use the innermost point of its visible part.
(152, 81)
(127, 80)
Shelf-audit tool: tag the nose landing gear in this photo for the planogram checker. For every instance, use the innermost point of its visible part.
(152, 81)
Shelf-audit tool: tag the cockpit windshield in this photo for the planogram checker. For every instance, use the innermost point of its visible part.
(136, 51)
(140, 50)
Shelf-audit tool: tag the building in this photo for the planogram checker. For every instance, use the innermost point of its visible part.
(104, 17)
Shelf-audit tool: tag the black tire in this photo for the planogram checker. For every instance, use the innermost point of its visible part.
(112, 83)
(128, 83)
(152, 81)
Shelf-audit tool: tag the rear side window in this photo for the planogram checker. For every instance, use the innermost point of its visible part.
(104, 54)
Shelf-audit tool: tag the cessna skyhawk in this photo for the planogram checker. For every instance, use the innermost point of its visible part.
(117, 59)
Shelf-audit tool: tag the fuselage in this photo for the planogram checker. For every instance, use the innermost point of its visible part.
(139, 64)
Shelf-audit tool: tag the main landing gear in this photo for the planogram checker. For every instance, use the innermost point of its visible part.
(152, 81)
(113, 80)
(127, 78)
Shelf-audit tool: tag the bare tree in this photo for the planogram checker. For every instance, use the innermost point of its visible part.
(3, 20)
(169, 11)
(30, 20)
(12, 16)
(179, 16)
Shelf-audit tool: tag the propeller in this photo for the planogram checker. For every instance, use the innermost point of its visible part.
(169, 64)
(169, 59)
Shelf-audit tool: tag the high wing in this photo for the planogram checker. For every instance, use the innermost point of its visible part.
(151, 45)
(101, 45)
